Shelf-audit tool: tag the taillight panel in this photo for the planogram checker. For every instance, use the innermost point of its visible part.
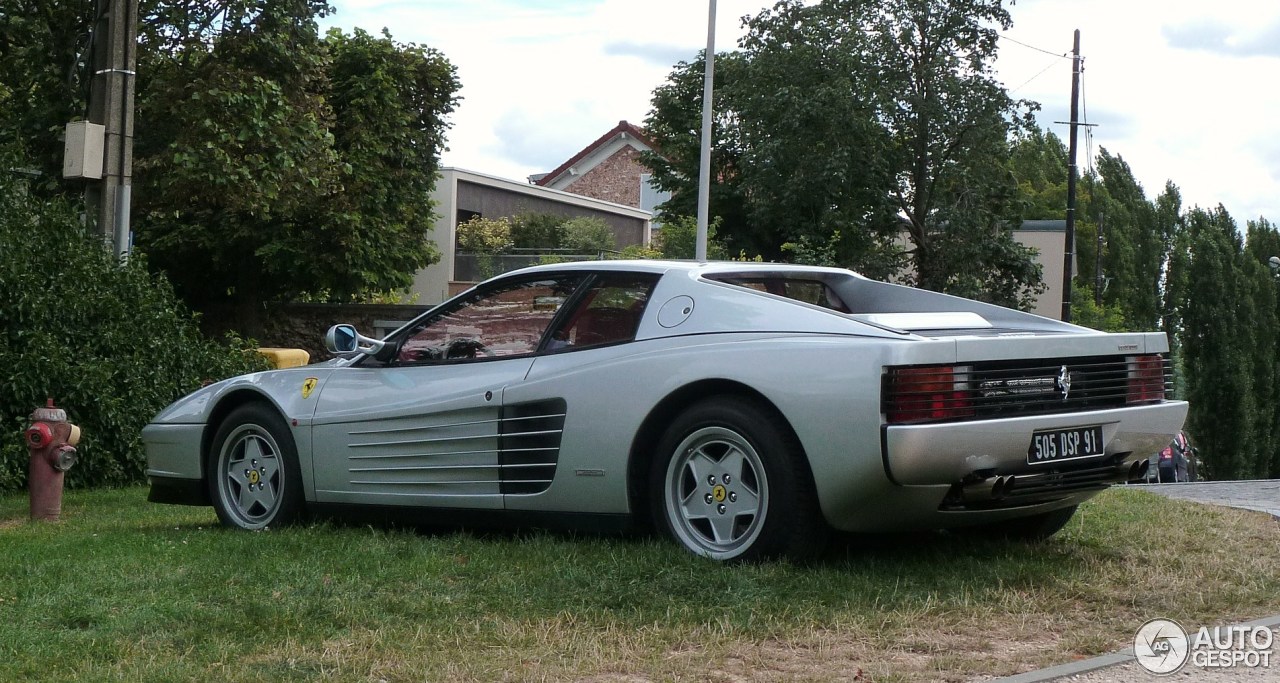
(935, 393)
(1146, 379)
(995, 389)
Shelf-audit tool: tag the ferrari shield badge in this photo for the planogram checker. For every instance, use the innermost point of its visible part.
(308, 386)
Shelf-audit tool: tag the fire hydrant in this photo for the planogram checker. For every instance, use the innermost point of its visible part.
(52, 442)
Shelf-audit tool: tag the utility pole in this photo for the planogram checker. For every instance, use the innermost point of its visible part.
(1069, 240)
(704, 163)
(111, 94)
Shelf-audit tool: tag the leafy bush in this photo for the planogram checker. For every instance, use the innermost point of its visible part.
(678, 238)
(485, 235)
(110, 343)
(531, 230)
(586, 235)
(639, 251)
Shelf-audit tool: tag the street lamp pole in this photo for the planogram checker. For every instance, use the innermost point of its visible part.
(704, 163)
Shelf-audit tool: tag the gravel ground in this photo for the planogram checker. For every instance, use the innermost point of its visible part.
(1129, 671)
(1262, 495)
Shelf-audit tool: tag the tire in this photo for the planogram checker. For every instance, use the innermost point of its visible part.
(730, 482)
(1034, 528)
(253, 475)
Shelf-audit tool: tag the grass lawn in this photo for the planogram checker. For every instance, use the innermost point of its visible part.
(130, 591)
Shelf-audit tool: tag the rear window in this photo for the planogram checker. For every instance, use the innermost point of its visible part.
(815, 292)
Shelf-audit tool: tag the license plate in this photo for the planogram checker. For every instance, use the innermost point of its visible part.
(1055, 445)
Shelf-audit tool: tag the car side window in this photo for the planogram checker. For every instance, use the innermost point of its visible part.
(608, 313)
(505, 322)
(809, 291)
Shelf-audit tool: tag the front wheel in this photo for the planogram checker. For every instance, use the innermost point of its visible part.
(253, 474)
(731, 483)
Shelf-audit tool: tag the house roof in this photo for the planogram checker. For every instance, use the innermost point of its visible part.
(1055, 225)
(449, 175)
(622, 129)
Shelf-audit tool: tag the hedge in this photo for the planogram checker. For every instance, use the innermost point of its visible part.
(110, 343)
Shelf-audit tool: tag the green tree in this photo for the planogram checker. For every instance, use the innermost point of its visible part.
(1170, 228)
(1038, 162)
(814, 149)
(1262, 242)
(283, 164)
(675, 120)
(1219, 340)
(43, 83)
(864, 118)
(236, 153)
(270, 161)
(1138, 237)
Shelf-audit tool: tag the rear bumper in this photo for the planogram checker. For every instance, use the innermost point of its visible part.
(952, 453)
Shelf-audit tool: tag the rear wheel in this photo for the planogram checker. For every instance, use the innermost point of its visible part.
(731, 483)
(253, 474)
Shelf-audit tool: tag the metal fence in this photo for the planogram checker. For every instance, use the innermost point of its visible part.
(468, 267)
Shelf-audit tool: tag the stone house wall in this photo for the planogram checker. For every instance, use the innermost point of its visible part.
(616, 179)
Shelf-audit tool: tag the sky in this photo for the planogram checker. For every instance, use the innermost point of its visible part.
(1186, 91)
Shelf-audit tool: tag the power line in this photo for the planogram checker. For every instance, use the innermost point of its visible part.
(1088, 128)
(1063, 55)
(1038, 75)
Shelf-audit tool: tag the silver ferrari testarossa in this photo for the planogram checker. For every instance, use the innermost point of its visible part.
(744, 408)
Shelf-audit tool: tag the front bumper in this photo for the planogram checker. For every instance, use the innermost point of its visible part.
(178, 491)
(957, 452)
(173, 452)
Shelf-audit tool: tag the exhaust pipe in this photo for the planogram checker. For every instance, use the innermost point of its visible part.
(1138, 470)
(991, 488)
(1009, 481)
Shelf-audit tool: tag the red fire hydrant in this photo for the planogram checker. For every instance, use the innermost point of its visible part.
(52, 442)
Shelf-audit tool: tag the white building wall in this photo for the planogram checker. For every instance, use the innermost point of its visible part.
(431, 284)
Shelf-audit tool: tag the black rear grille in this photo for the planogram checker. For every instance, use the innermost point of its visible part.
(1000, 389)
(1011, 388)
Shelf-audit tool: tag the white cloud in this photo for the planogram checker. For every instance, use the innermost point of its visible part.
(1183, 90)
(1173, 108)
